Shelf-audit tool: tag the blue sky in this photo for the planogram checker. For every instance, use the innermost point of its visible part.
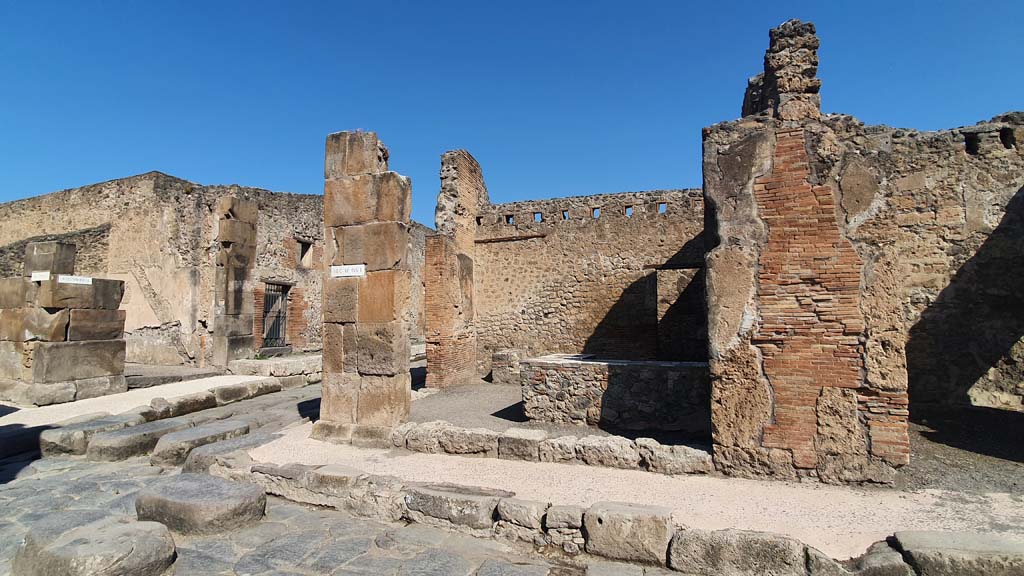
(553, 98)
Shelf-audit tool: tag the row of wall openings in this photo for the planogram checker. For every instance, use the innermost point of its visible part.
(972, 140)
(510, 219)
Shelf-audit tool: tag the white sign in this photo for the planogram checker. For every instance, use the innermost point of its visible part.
(348, 271)
(41, 276)
(67, 279)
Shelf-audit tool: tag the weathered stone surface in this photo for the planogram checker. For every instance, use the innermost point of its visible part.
(201, 458)
(880, 560)
(961, 553)
(332, 480)
(53, 257)
(561, 449)
(28, 324)
(525, 513)
(94, 543)
(676, 459)
(564, 517)
(67, 361)
(341, 300)
(96, 325)
(100, 386)
(172, 449)
(380, 349)
(628, 531)
(371, 436)
(180, 405)
(17, 292)
(736, 552)
(384, 197)
(101, 294)
(383, 400)
(333, 432)
(133, 441)
(521, 444)
(460, 505)
(399, 433)
(610, 451)
(340, 394)
(353, 153)
(455, 440)
(384, 296)
(201, 504)
(73, 438)
(492, 567)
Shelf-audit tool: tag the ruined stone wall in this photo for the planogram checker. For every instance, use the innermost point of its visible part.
(580, 274)
(91, 258)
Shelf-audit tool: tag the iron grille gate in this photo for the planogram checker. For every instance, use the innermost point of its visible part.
(275, 315)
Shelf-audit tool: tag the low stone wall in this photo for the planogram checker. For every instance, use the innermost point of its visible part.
(628, 395)
(297, 370)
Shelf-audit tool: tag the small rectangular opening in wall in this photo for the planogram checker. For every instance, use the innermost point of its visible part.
(565, 214)
(596, 212)
(479, 221)
(629, 211)
(538, 217)
(972, 142)
(510, 219)
(662, 207)
(1007, 137)
(305, 253)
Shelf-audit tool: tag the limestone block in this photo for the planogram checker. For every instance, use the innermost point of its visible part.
(460, 505)
(353, 153)
(736, 552)
(233, 325)
(564, 517)
(480, 441)
(426, 437)
(28, 324)
(96, 325)
(74, 438)
(133, 441)
(200, 459)
(94, 543)
(181, 405)
(381, 348)
(52, 257)
(521, 444)
(341, 299)
(228, 348)
(383, 400)
(384, 295)
(385, 197)
(232, 208)
(17, 292)
(65, 361)
(610, 451)
(86, 388)
(400, 432)
(561, 449)
(525, 513)
(333, 432)
(44, 394)
(379, 245)
(370, 436)
(628, 531)
(236, 232)
(334, 348)
(174, 448)
(201, 504)
(339, 397)
(936, 553)
(677, 459)
(102, 294)
(332, 480)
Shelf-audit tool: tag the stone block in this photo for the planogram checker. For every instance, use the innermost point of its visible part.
(31, 324)
(629, 532)
(66, 361)
(479, 441)
(73, 437)
(102, 294)
(672, 460)
(384, 295)
(96, 325)
(736, 552)
(525, 513)
(201, 504)
(233, 325)
(381, 349)
(521, 444)
(201, 458)
(52, 257)
(332, 480)
(383, 400)
(609, 451)
(340, 394)
(17, 292)
(370, 436)
(385, 197)
(232, 208)
(564, 517)
(460, 505)
(426, 437)
(43, 394)
(231, 393)
(561, 449)
(936, 553)
(333, 432)
(353, 153)
(334, 348)
(134, 441)
(340, 299)
(236, 232)
(233, 291)
(174, 448)
(379, 245)
(180, 405)
(228, 348)
(100, 386)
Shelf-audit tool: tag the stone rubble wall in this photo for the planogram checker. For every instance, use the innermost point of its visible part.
(90, 259)
(622, 395)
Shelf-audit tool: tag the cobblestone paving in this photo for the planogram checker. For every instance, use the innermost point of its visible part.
(291, 540)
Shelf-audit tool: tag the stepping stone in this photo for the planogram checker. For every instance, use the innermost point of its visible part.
(73, 437)
(174, 448)
(961, 553)
(133, 441)
(201, 504)
(492, 567)
(94, 543)
(201, 458)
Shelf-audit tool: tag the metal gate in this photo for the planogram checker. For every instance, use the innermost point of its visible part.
(275, 315)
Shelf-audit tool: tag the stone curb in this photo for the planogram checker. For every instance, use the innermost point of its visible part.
(618, 531)
(440, 437)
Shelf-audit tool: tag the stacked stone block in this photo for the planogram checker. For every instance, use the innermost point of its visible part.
(61, 336)
(789, 87)
(366, 383)
(234, 304)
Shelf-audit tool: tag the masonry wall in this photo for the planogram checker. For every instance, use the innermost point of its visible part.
(573, 280)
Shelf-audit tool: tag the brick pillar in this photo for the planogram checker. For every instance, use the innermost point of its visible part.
(233, 285)
(366, 291)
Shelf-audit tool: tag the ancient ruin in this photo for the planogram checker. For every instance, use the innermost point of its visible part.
(525, 369)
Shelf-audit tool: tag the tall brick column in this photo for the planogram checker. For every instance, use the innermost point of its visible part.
(366, 291)
(233, 290)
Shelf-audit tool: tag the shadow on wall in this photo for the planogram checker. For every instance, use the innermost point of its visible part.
(630, 329)
(973, 332)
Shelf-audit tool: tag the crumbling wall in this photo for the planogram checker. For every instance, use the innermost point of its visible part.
(580, 274)
(91, 257)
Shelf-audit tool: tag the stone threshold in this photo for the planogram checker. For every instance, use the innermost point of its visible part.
(627, 532)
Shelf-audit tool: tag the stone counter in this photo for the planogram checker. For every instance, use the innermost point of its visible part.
(619, 394)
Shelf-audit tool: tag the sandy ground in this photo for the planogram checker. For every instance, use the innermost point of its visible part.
(114, 403)
(838, 520)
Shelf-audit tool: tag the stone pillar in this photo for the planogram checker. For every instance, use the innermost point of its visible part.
(448, 272)
(233, 288)
(788, 88)
(61, 336)
(366, 292)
